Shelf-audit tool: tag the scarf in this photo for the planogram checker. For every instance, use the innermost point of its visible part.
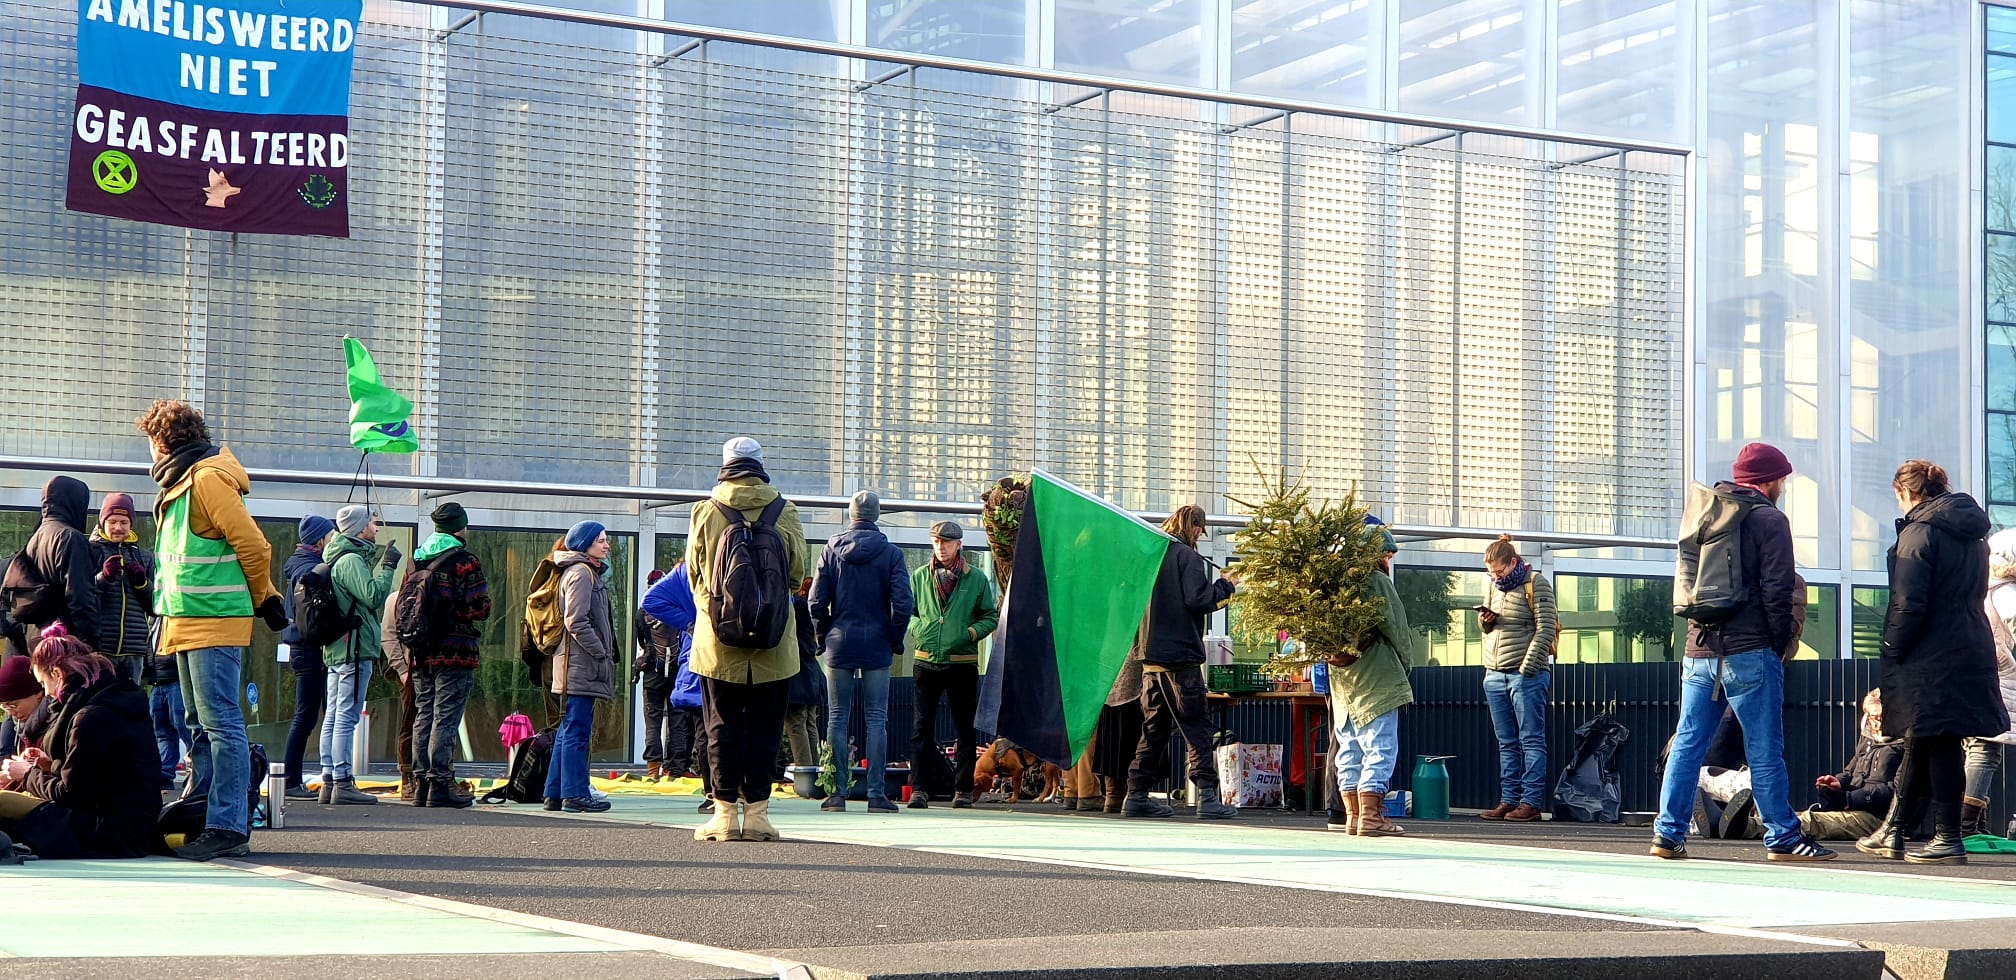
(741, 468)
(174, 466)
(946, 577)
(1514, 580)
(1872, 729)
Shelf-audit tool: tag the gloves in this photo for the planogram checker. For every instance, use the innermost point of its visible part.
(112, 565)
(392, 555)
(136, 575)
(274, 612)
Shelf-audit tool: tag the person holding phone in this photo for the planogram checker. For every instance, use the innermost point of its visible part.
(1520, 619)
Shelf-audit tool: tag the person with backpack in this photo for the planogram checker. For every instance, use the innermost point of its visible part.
(1735, 582)
(311, 678)
(1170, 645)
(440, 611)
(1938, 677)
(584, 664)
(53, 579)
(1984, 753)
(653, 671)
(215, 575)
(806, 699)
(746, 552)
(361, 592)
(861, 608)
(91, 792)
(125, 583)
(1523, 626)
(670, 602)
(954, 610)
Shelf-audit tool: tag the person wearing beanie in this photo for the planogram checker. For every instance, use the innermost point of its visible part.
(1741, 657)
(363, 575)
(1367, 690)
(653, 671)
(60, 554)
(90, 792)
(955, 609)
(311, 678)
(443, 655)
(215, 577)
(125, 586)
(1521, 624)
(861, 607)
(746, 688)
(584, 664)
(27, 708)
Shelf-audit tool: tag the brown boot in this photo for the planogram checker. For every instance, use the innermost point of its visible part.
(1351, 822)
(408, 788)
(1116, 795)
(1973, 816)
(654, 770)
(1372, 820)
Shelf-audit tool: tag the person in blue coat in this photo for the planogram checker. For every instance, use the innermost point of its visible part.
(861, 606)
(670, 602)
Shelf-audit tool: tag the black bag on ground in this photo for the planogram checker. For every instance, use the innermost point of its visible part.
(526, 782)
(1708, 584)
(751, 602)
(189, 813)
(1590, 790)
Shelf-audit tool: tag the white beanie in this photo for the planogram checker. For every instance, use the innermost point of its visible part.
(741, 447)
(352, 520)
(2002, 548)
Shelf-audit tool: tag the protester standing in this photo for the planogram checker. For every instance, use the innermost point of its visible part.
(311, 677)
(1367, 691)
(1521, 620)
(671, 603)
(806, 697)
(652, 671)
(744, 688)
(125, 582)
(215, 572)
(1984, 755)
(584, 665)
(63, 587)
(1170, 646)
(361, 593)
(445, 652)
(955, 610)
(861, 607)
(1939, 679)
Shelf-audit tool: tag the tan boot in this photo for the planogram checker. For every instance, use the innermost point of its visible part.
(726, 823)
(408, 788)
(1372, 820)
(1350, 813)
(655, 770)
(756, 822)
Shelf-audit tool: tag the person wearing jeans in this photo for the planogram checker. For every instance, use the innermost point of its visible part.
(860, 607)
(1521, 621)
(311, 678)
(341, 710)
(220, 761)
(443, 658)
(164, 705)
(1367, 690)
(361, 593)
(584, 665)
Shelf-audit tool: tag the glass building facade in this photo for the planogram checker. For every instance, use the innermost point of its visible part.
(591, 253)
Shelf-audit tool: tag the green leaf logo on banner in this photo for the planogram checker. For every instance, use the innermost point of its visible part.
(377, 413)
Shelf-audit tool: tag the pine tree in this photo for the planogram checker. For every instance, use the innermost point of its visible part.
(1306, 568)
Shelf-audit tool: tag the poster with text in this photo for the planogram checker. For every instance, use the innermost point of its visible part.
(227, 116)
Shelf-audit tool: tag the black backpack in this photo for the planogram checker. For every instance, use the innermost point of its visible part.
(1708, 585)
(750, 604)
(189, 813)
(526, 782)
(415, 619)
(318, 612)
(30, 599)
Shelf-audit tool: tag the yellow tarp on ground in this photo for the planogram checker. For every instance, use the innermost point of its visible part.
(614, 787)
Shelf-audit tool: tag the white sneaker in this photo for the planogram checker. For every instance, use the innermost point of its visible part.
(597, 794)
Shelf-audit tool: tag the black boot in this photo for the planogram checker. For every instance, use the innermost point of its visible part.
(1906, 810)
(1946, 846)
(423, 794)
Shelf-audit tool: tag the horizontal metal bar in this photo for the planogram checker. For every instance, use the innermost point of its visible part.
(458, 25)
(1050, 75)
(1074, 103)
(890, 75)
(434, 486)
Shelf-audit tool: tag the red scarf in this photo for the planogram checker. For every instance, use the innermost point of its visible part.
(946, 578)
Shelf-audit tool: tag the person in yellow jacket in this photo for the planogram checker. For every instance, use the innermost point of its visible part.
(743, 691)
(214, 576)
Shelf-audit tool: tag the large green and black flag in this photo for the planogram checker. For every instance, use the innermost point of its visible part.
(1083, 571)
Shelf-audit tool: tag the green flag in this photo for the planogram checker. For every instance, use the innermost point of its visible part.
(1083, 571)
(377, 413)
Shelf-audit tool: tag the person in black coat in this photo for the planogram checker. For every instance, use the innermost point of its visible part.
(60, 554)
(93, 793)
(1170, 646)
(1938, 668)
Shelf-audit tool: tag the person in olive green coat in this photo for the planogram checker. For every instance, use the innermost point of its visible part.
(743, 692)
(955, 611)
(361, 591)
(1365, 700)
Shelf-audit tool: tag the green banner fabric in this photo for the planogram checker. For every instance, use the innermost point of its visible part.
(377, 413)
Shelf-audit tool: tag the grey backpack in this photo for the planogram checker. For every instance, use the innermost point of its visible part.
(1708, 585)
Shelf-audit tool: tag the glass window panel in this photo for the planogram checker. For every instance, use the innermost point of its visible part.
(2001, 29)
(2001, 458)
(1867, 614)
(2001, 367)
(1820, 640)
(816, 20)
(2002, 98)
(978, 30)
(1470, 59)
(2002, 277)
(2001, 188)
(1625, 68)
(1622, 619)
(1157, 40)
(1323, 51)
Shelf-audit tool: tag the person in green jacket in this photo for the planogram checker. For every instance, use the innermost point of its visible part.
(955, 611)
(361, 591)
(1365, 699)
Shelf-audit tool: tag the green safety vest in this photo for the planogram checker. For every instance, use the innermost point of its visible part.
(199, 576)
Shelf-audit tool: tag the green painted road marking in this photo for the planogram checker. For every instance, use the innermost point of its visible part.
(1694, 892)
(165, 907)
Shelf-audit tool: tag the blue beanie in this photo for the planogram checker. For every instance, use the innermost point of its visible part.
(581, 535)
(313, 529)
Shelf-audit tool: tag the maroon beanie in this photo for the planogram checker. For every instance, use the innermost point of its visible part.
(1760, 463)
(114, 503)
(652, 579)
(17, 679)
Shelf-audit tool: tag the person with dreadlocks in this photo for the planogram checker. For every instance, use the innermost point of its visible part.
(1170, 646)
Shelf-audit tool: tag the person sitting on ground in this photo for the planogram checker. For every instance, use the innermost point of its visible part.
(26, 706)
(93, 793)
(1853, 801)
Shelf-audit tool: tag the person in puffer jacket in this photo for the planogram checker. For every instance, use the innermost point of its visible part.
(1853, 801)
(125, 580)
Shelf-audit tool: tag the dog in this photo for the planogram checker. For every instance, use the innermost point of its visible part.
(1004, 761)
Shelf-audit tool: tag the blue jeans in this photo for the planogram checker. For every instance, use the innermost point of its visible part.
(171, 731)
(567, 773)
(874, 688)
(1519, 716)
(1755, 684)
(345, 704)
(220, 760)
(1366, 754)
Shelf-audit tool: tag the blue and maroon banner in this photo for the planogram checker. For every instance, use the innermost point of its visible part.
(228, 116)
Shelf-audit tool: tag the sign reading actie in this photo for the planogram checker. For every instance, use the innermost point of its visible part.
(230, 116)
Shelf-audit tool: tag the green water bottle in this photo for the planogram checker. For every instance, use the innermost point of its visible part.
(1431, 787)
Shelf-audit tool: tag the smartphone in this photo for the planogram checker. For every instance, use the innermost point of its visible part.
(1482, 609)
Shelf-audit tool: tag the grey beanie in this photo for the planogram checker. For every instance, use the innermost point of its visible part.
(352, 520)
(865, 506)
(741, 447)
